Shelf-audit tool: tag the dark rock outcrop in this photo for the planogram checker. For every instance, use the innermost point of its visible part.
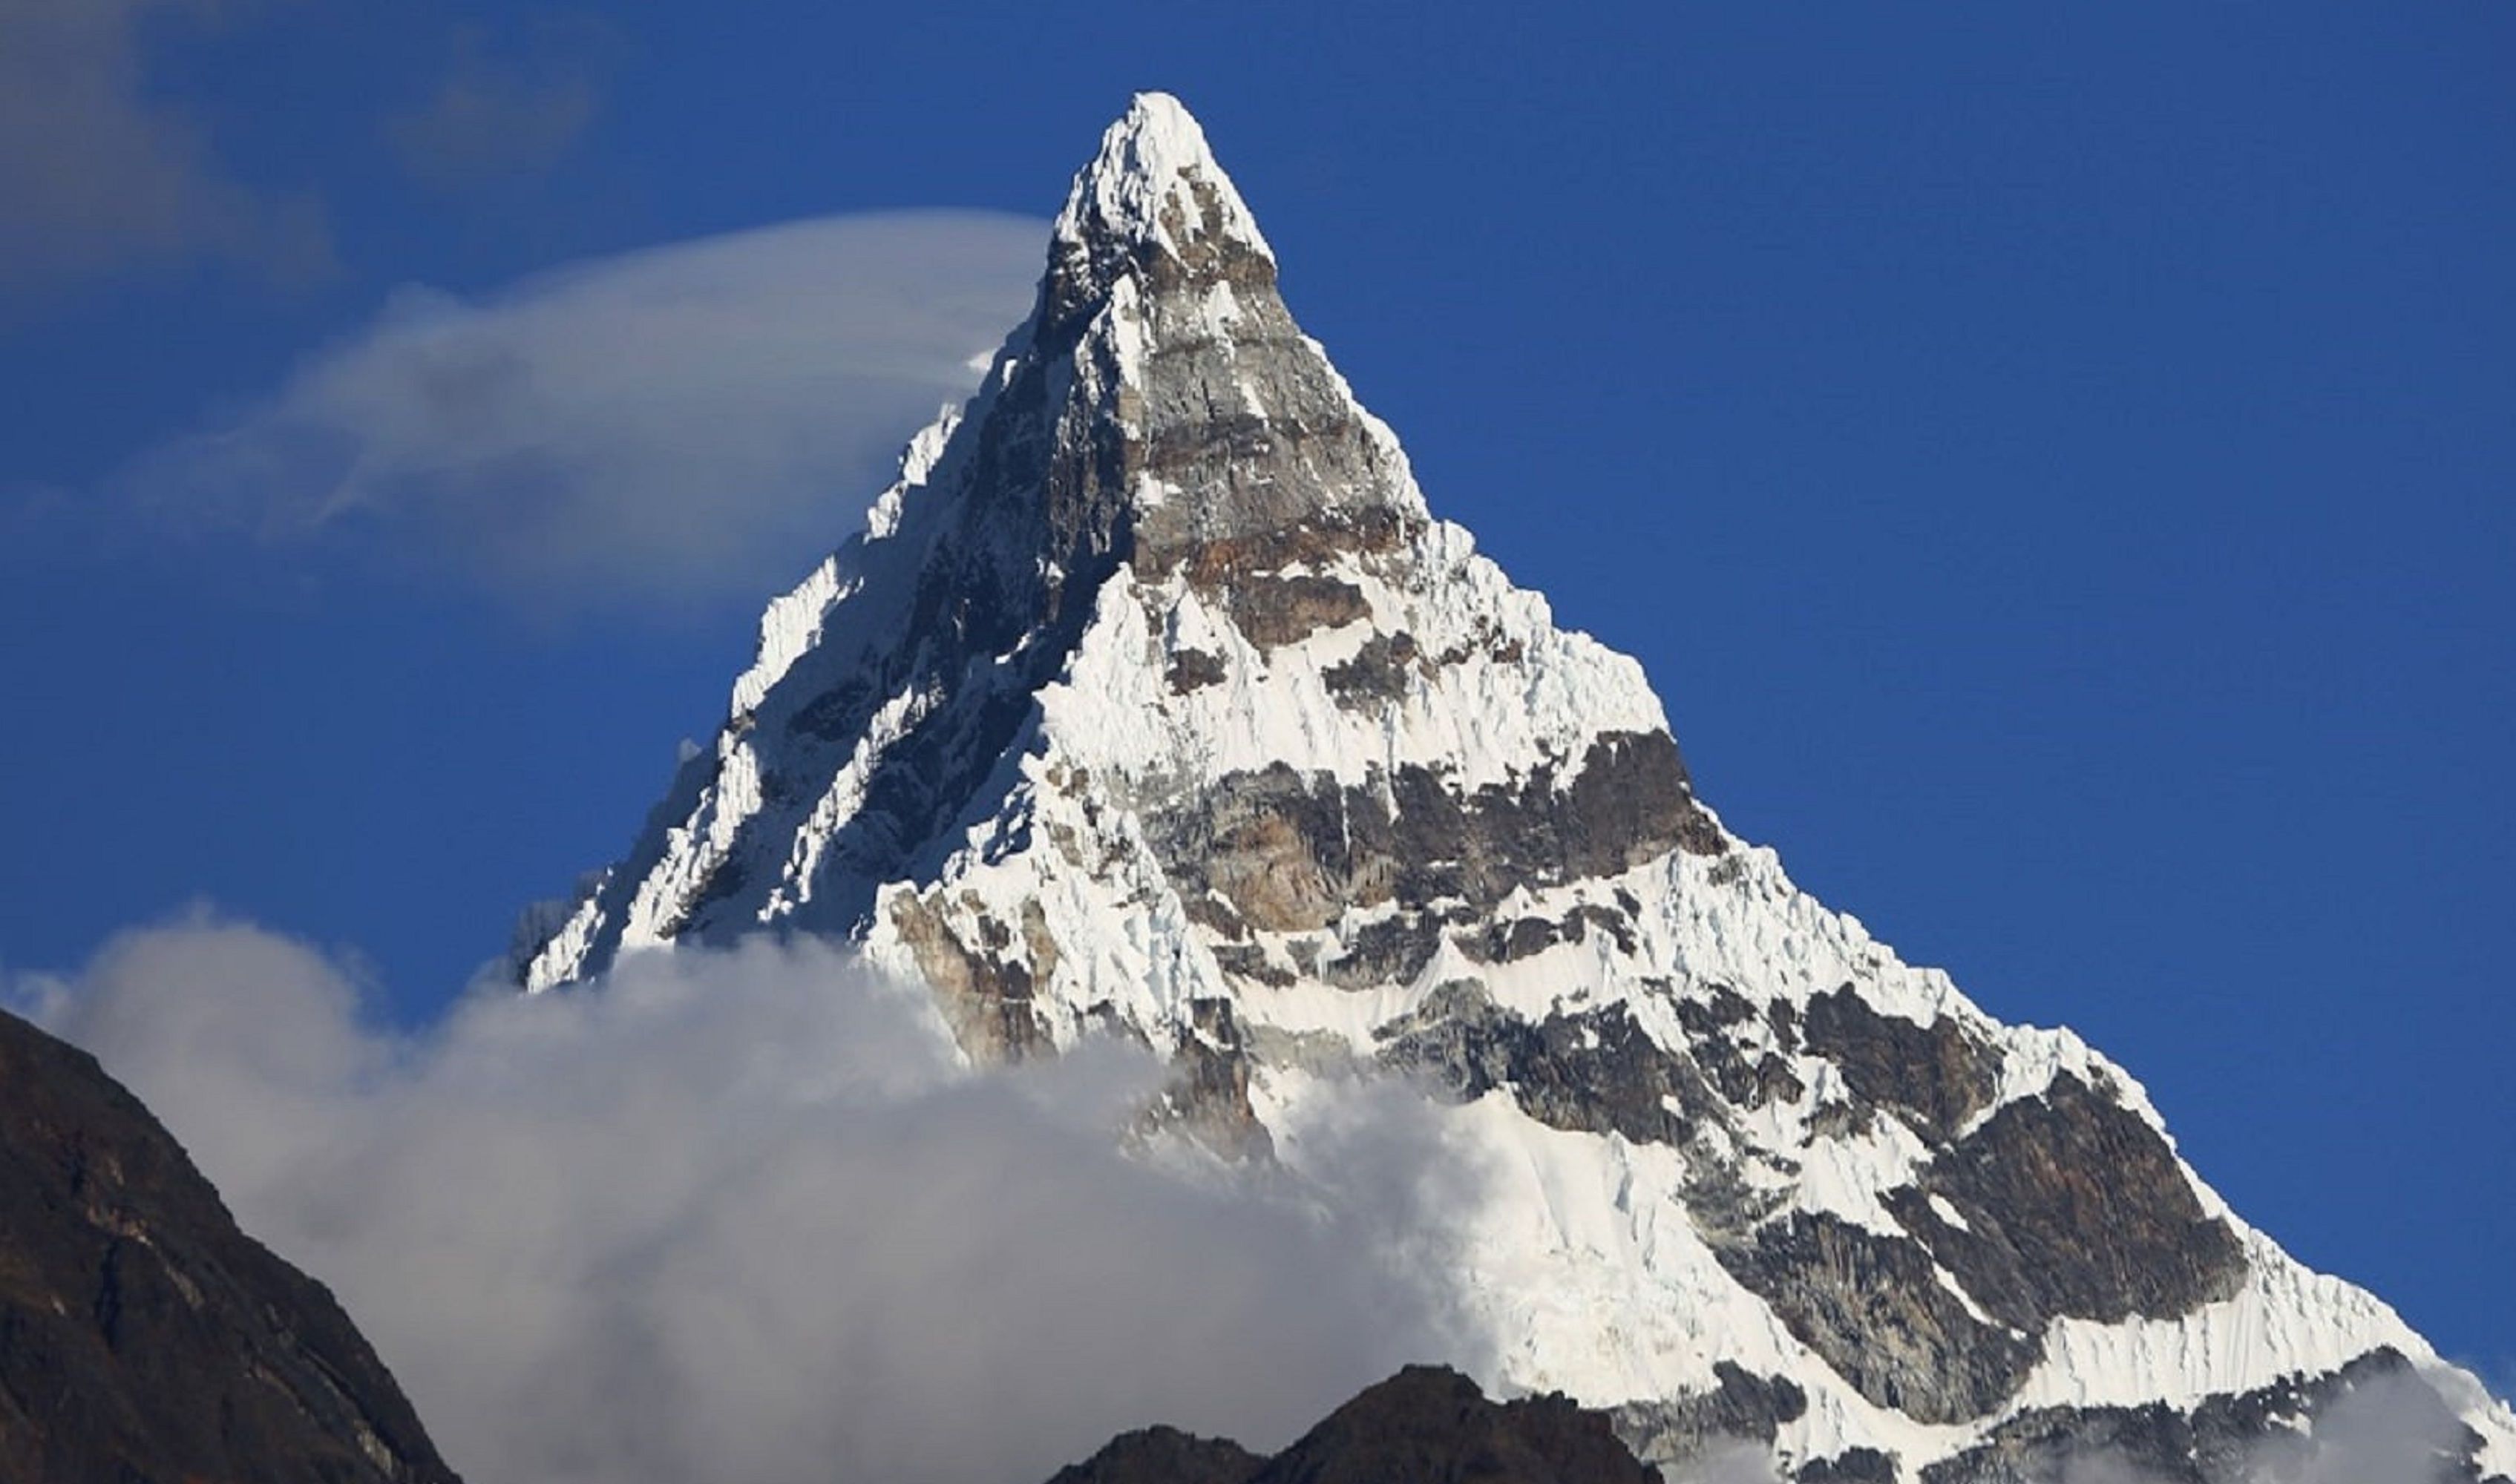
(1740, 1407)
(1936, 1075)
(985, 993)
(1873, 1307)
(2071, 1204)
(1592, 1072)
(1163, 1456)
(144, 1338)
(1427, 1424)
(1431, 1426)
(1293, 853)
(1207, 1097)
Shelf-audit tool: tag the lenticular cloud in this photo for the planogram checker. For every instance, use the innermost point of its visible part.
(744, 1216)
(663, 426)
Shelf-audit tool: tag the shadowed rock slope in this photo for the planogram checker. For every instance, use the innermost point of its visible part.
(1427, 1424)
(143, 1337)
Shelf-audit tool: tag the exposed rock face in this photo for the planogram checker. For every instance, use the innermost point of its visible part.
(1937, 1074)
(1154, 702)
(2070, 1204)
(145, 1339)
(1741, 1408)
(1872, 1306)
(1596, 1072)
(1424, 1425)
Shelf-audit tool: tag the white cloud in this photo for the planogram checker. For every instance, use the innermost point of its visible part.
(667, 427)
(740, 1216)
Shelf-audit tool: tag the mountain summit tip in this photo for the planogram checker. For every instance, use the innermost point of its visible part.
(1154, 179)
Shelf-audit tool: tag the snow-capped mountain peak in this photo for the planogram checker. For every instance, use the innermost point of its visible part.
(1154, 182)
(1153, 701)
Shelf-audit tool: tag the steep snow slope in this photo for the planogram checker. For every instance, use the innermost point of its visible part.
(1155, 700)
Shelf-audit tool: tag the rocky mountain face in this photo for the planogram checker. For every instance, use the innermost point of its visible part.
(1153, 701)
(1427, 1424)
(144, 1338)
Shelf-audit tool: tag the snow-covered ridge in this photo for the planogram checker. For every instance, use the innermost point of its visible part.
(792, 624)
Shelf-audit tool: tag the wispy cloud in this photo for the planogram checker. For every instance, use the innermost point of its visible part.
(742, 1217)
(98, 176)
(664, 428)
(507, 112)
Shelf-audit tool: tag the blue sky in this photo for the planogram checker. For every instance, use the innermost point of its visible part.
(2054, 462)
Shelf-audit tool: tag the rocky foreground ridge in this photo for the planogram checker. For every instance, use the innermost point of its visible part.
(1427, 1424)
(1153, 701)
(145, 1339)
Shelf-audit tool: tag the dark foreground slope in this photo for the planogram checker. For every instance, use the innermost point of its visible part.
(1424, 1425)
(143, 1337)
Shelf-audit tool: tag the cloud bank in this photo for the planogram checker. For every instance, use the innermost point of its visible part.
(671, 427)
(740, 1216)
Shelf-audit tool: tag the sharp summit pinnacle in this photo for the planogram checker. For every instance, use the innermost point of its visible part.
(1155, 180)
